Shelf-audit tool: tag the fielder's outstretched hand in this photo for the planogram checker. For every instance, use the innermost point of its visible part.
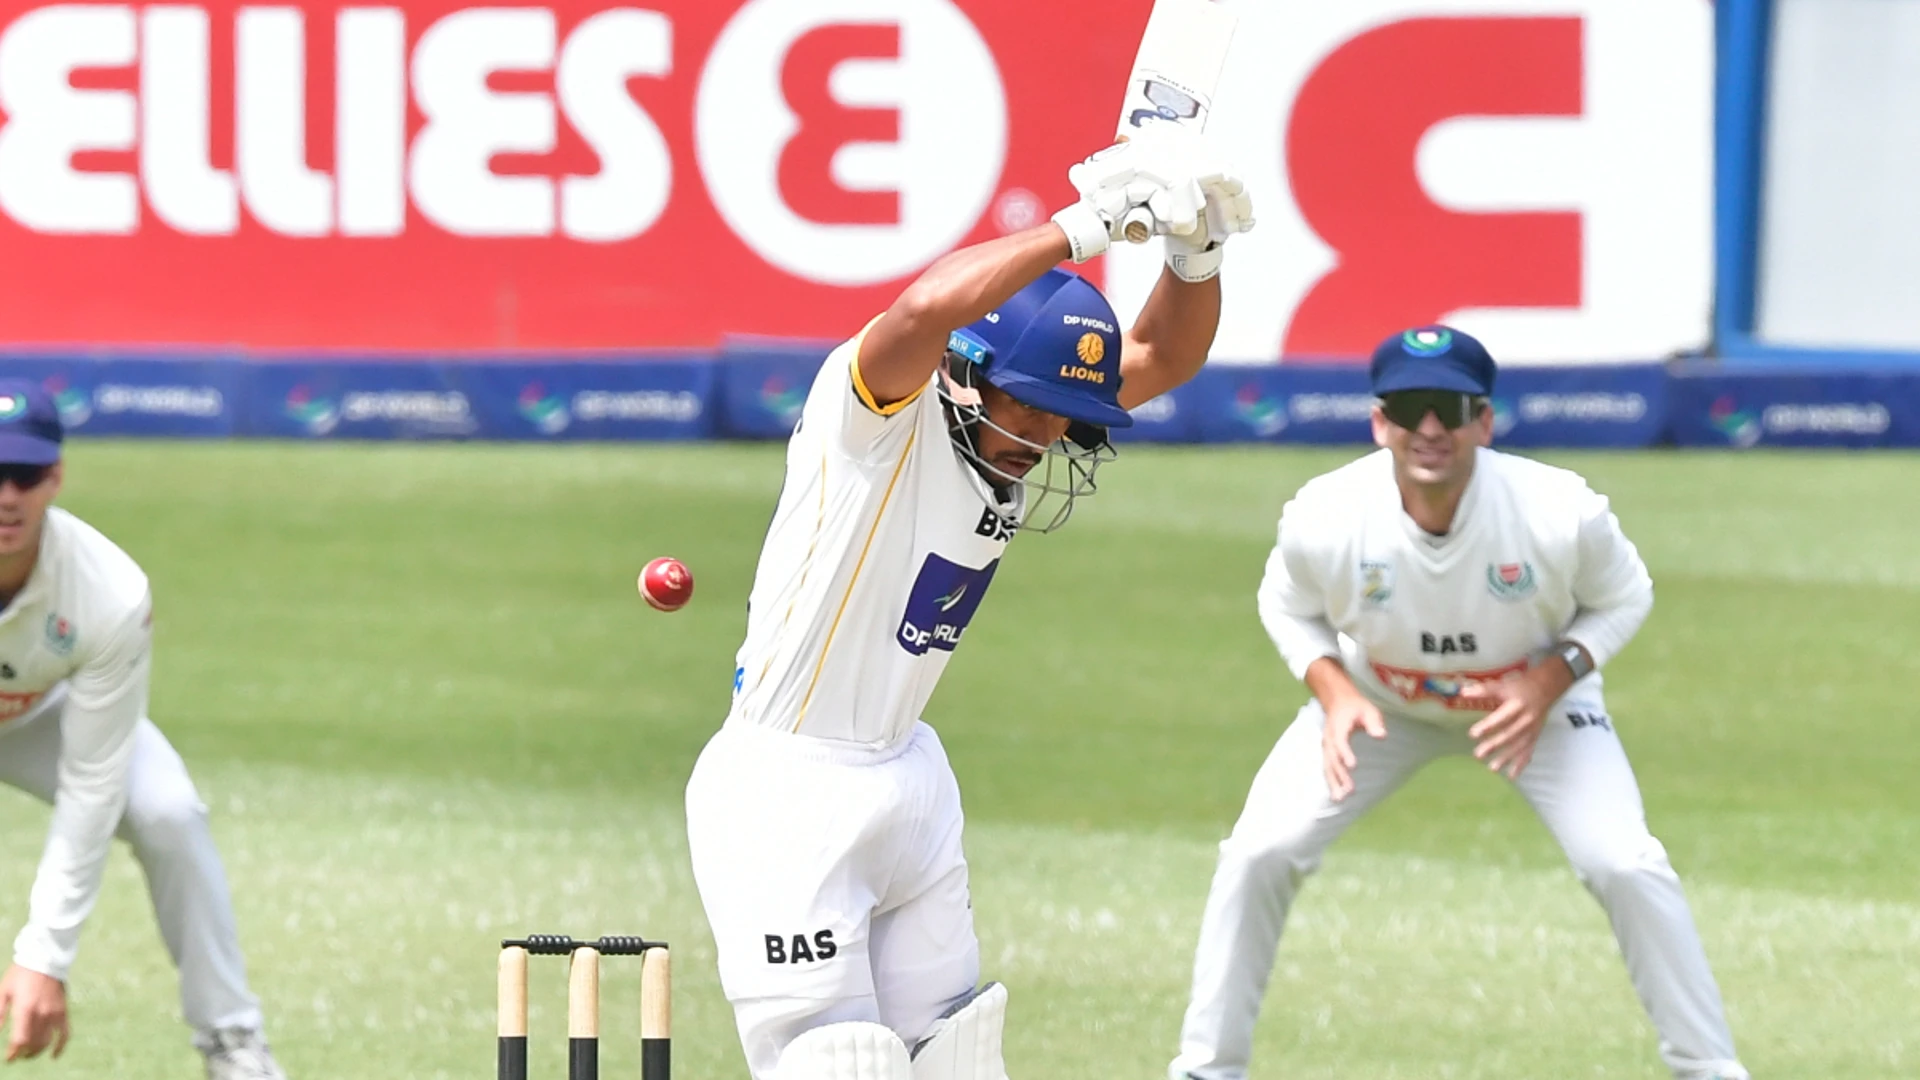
(1519, 708)
(39, 1007)
(1336, 739)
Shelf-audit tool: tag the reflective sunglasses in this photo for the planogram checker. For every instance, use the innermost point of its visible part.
(24, 477)
(1409, 408)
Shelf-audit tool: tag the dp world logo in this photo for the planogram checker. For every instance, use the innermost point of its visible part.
(546, 412)
(75, 406)
(1741, 427)
(318, 414)
(782, 399)
(12, 406)
(1267, 416)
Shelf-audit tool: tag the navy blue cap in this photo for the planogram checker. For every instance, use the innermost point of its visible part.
(1055, 346)
(29, 424)
(1432, 358)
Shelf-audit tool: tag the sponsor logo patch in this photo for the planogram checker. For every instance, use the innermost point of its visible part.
(1843, 418)
(678, 406)
(1265, 415)
(1589, 408)
(16, 705)
(1376, 584)
(546, 412)
(1413, 686)
(1740, 427)
(942, 603)
(782, 399)
(197, 402)
(317, 413)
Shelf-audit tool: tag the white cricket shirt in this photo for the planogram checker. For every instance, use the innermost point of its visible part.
(84, 618)
(881, 548)
(1534, 557)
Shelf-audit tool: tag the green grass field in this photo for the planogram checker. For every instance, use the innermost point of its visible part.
(428, 710)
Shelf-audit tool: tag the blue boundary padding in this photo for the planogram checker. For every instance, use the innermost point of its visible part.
(1798, 398)
(1745, 353)
(1742, 33)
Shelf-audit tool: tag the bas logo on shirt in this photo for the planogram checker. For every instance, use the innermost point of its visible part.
(942, 603)
(993, 526)
(801, 948)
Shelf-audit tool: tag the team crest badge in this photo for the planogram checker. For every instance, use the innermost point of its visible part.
(1511, 581)
(60, 635)
(1376, 584)
(1428, 341)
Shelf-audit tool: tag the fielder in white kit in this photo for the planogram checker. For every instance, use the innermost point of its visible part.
(75, 636)
(823, 818)
(1438, 597)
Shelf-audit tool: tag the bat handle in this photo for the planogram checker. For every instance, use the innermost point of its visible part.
(1137, 225)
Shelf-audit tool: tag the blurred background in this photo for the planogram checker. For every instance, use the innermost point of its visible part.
(580, 221)
(550, 282)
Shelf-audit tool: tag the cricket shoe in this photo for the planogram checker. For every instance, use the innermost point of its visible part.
(240, 1054)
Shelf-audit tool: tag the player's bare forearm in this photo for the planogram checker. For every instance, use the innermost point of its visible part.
(901, 350)
(1556, 678)
(1328, 681)
(1170, 340)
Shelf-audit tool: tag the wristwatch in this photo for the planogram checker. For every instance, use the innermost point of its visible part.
(1576, 657)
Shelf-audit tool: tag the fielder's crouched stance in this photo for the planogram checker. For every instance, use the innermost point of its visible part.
(1443, 598)
(75, 651)
(823, 818)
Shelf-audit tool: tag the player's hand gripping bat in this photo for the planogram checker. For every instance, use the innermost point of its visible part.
(1175, 71)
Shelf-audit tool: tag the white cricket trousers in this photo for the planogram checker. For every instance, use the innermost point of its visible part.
(166, 825)
(834, 881)
(1579, 783)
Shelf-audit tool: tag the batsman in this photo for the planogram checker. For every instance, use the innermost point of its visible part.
(823, 819)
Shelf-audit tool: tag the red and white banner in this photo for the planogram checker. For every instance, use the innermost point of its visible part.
(445, 175)
(1538, 172)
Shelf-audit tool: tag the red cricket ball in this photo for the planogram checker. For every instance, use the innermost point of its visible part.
(667, 584)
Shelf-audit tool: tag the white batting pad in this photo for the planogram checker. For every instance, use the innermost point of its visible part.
(854, 1050)
(965, 1043)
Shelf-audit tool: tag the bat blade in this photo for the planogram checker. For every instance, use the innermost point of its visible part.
(1178, 65)
(1182, 52)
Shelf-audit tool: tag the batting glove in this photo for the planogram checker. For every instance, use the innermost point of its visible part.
(1196, 256)
(1147, 179)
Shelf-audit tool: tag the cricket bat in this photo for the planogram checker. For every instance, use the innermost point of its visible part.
(1175, 71)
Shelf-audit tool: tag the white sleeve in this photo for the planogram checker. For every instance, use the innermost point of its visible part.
(106, 697)
(1611, 588)
(844, 413)
(1292, 606)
